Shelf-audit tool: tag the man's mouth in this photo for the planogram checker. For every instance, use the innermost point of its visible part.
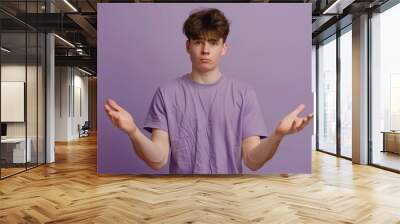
(205, 60)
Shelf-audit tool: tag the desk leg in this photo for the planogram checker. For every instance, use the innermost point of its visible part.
(384, 142)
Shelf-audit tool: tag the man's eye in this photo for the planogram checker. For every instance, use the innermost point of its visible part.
(214, 43)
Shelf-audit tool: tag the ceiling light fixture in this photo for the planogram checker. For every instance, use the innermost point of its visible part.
(86, 72)
(331, 7)
(337, 7)
(70, 5)
(5, 49)
(64, 40)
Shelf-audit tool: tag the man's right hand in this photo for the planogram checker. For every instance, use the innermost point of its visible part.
(121, 118)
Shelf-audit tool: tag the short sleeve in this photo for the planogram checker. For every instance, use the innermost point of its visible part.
(156, 116)
(253, 120)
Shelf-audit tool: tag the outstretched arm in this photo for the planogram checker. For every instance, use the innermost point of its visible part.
(257, 152)
(153, 151)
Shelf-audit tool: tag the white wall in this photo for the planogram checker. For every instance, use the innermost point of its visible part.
(71, 92)
(15, 72)
(61, 103)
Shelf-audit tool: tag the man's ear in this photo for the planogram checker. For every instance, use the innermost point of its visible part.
(187, 46)
(224, 48)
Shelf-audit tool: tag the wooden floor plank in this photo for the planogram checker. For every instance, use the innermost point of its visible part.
(70, 191)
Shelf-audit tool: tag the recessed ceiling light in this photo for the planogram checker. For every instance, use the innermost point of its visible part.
(5, 49)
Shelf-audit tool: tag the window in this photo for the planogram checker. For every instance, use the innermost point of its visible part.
(385, 88)
(327, 95)
(346, 75)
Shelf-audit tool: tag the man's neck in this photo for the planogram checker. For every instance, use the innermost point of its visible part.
(205, 77)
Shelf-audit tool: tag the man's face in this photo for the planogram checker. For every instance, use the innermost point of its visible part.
(206, 52)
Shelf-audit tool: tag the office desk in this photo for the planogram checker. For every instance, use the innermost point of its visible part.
(13, 150)
(391, 141)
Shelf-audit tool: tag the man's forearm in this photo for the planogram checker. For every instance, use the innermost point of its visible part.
(264, 151)
(147, 150)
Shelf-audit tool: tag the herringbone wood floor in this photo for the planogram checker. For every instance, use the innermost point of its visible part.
(70, 191)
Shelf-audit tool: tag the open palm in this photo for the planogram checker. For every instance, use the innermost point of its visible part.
(292, 123)
(121, 118)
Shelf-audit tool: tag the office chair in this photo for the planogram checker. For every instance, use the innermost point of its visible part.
(84, 130)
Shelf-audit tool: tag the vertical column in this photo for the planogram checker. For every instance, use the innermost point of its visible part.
(50, 92)
(360, 90)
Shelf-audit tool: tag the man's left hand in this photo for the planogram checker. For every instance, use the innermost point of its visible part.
(292, 123)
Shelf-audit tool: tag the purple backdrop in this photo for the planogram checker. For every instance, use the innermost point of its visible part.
(140, 46)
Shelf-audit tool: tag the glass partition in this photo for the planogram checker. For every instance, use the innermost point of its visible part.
(327, 95)
(13, 105)
(22, 77)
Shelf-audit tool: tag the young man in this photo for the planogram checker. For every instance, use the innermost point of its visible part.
(208, 121)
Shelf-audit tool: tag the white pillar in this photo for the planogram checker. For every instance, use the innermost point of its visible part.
(50, 82)
(360, 90)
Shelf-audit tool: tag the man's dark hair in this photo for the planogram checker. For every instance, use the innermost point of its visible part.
(206, 21)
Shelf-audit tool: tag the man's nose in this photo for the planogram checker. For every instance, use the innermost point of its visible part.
(205, 49)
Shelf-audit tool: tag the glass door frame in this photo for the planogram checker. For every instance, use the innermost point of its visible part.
(338, 34)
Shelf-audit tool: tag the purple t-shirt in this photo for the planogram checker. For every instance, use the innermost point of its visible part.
(206, 123)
